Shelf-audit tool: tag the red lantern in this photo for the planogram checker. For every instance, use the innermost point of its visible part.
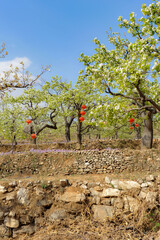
(131, 127)
(137, 125)
(131, 120)
(82, 112)
(28, 121)
(33, 136)
(83, 106)
(81, 119)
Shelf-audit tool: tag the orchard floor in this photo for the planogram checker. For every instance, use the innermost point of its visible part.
(83, 227)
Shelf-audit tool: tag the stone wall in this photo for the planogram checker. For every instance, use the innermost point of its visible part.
(26, 206)
(115, 161)
(80, 162)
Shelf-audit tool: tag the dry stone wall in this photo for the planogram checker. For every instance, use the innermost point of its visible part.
(26, 206)
(115, 161)
(80, 162)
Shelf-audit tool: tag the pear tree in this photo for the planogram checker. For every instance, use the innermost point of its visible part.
(131, 69)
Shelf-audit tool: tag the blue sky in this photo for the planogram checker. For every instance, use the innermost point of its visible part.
(56, 32)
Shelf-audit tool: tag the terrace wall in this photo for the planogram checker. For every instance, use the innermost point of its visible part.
(79, 162)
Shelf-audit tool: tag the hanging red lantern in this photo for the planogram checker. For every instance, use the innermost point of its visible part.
(33, 136)
(28, 121)
(131, 120)
(81, 119)
(131, 127)
(82, 112)
(136, 125)
(83, 106)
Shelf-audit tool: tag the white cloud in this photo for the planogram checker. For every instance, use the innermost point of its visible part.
(5, 65)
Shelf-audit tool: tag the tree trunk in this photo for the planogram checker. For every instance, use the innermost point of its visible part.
(34, 140)
(67, 133)
(79, 132)
(116, 134)
(147, 135)
(137, 133)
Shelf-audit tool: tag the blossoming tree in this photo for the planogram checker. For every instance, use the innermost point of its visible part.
(131, 70)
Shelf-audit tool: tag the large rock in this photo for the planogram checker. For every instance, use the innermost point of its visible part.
(95, 192)
(22, 196)
(151, 197)
(110, 192)
(131, 204)
(73, 195)
(11, 222)
(102, 212)
(28, 229)
(3, 189)
(57, 214)
(125, 185)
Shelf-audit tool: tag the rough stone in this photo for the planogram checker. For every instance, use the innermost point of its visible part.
(10, 196)
(151, 197)
(150, 178)
(107, 180)
(29, 230)
(4, 231)
(131, 204)
(22, 196)
(110, 192)
(57, 214)
(73, 196)
(64, 182)
(11, 222)
(102, 212)
(127, 185)
(3, 189)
